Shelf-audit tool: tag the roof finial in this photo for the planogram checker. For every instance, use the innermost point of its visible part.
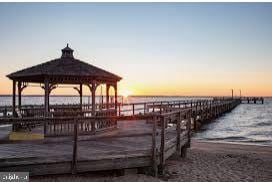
(67, 51)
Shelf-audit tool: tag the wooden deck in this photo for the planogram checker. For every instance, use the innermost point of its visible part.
(135, 141)
(129, 147)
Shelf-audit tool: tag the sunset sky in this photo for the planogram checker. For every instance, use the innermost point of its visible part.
(158, 48)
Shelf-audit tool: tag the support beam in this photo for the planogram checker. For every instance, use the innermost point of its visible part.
(14, 98)
(46, 103)
(101, 95)
(115, 97)
(93, 105)
(52, 87)
(19, 94)
(21, 87)
(107, 95)
(46, 97)
(93, 98)
(79, 90)
(80, 95)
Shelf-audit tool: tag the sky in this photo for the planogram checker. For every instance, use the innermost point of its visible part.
(202, 49)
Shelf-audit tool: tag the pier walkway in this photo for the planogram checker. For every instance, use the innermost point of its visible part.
(84, 143)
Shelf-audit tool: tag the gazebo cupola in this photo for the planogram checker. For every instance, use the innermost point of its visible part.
(67, 52)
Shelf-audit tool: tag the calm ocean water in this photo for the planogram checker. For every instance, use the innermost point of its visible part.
(247, 123)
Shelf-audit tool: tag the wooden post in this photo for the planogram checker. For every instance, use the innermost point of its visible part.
(14, 98)
(46, 97)
(74, 161)
(13, 103)
(154, 147)
(119, 108)
(102, 99)
(46, 103)
(189, 124)
(93, 98)
(144, 108)
(93, 105)
(107, 96)
(5, 112)
(80, 95)
(196, 113)
(19, 94)
(160, 109)
(115, 97)
(178, 133)
(45, 122)
(162, 159)
(183, 149)
(133, 109)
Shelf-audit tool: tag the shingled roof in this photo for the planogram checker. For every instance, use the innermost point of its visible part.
(66, 66)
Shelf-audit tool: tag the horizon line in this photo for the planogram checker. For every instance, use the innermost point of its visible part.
(74, 95)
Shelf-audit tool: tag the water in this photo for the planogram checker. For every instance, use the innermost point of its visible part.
(39, 100)
(247, 123)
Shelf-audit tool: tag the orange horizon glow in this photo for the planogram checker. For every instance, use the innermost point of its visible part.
(154, 90)
(251, 84)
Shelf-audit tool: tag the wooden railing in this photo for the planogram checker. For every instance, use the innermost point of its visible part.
(141, 108)
(62, 126)
(253, 100)
(86, 125)
(38, 110)
(170, 132)
(201, 110)
(176, 123)
(124, 109)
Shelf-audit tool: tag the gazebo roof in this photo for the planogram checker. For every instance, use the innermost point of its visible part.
(65, 67)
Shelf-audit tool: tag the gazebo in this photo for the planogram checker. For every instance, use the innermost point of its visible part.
(63, 70)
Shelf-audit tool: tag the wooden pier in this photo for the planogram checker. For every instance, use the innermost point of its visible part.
(252, 100)
(139, 140)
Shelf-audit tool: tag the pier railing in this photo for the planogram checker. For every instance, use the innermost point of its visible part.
(169, 133)
(201, 111)
(63, 126)
(176, 122)
(123, 109)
